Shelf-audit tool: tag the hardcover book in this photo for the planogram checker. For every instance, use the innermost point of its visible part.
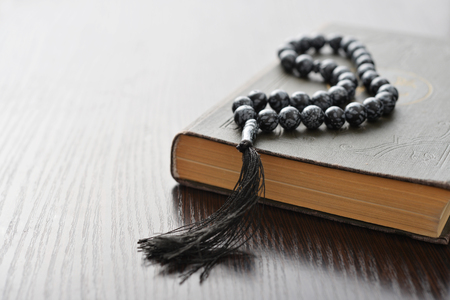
(391, 175)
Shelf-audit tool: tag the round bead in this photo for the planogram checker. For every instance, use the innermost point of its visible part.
(365, 67)
(312, 116)
(359, 52)
(304, 43)
(338, 95)
(347, 41)
(349, 86)
(363, 59)
(316, 66)
(350, 76)
(259, 100)
(317, 41)
(337, 72)
(289, 118)
(355, 113)
(244, 113)
(376, 84)
(388, 101)
(335, 42)
(278, 99)
(389, 88)
(300, 100)
(285, 47)
(374, 108)
(241, 100)
(304, 64)
(322, 99)
(352, 47)
(326, 69)
(334, 117)
(267, 120)
(368, 77)
(287, 58)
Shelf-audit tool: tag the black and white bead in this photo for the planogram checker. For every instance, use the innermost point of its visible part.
(323, 106)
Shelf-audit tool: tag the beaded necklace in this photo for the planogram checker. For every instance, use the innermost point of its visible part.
(323, 106)
(203, 244)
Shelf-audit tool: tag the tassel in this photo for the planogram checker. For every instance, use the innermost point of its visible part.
(203, 244)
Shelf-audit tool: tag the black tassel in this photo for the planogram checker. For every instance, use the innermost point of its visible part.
(203, 244)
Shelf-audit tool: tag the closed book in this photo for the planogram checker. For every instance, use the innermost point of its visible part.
(391, 175)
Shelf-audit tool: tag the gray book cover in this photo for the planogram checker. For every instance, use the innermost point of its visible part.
(412, 144)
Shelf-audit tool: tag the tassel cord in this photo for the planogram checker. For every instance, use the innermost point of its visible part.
(204, 243)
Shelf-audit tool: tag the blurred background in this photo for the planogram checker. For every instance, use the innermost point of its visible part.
(91, 95)
(220, 44)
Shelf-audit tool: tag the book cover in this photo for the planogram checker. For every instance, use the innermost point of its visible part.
(410, 145)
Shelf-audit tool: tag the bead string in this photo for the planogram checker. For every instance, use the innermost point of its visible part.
(323, 106)
(205, 243)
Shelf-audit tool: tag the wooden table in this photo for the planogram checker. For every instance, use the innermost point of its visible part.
(91, 94)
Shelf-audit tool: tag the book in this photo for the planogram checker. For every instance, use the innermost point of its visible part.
(391, 175)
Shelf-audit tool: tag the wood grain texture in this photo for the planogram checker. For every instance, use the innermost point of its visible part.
(91, 95)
